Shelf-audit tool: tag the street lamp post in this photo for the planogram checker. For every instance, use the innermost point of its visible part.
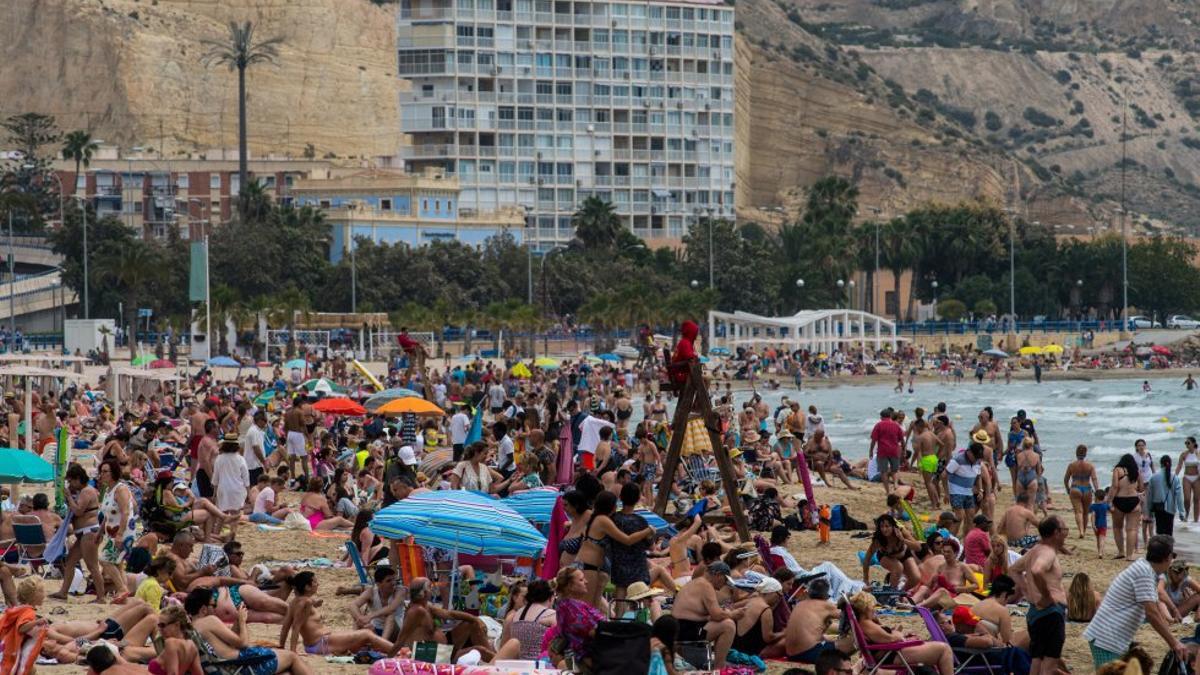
(1124, 269)
(840, 284)
(708, 212)
(934, 285)
(1012, 274)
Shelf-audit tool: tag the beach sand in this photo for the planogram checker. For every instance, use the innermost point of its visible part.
(863, 505)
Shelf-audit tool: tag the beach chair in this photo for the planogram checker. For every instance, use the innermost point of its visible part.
(699, 655)
(966, 661)
(31, 544)
(241, 666)
(879, 657)
(359, 567)
(412, 561)
(771, 561)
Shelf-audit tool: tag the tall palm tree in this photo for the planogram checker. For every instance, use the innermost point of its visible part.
(897, 252)
(288, 303)
(79, 146)
(133, 267)
(596, 223)
(239, 51)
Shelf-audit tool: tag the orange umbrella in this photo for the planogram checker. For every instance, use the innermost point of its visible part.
(409, 404)
(339, 405)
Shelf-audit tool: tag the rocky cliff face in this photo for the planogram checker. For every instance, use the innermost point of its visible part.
(1021, 100)
(129, 71)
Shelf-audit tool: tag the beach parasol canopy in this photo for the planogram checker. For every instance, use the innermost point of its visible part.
(339, 405)
(1161, 350)
(321, 385)
(1052, 349)
(375, 400)
(162, 363)
(546, 363)
(996, 353)
(265, 397)
(296, 364)
(1030, 351)
(719, 351)
(19, 466)
(461, 521)
(609, 357)
(434, 461)
(224, 362)
(141, 360)
(409, 404)
(521, 370)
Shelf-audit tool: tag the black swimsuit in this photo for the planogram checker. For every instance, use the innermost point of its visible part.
(1126, 505)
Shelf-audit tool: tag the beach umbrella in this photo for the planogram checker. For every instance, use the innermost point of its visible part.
(265, 397)
(410, 404)
(224, 362)
(593, 358)
(609, 357)
(433, 462)
(339, 405)
(1161, 350)
(141, 360)
(1052, 349)
(460, 521)
(534, 505)
(660, 525)
(702, 359)
(19, 466)
(521, 370)
(1143, 351)
(997, 353)
(296, 364)
(546, 363)
(321, 385)
(1030, 351)
(162, 363)
(719, 351)
(375, 400)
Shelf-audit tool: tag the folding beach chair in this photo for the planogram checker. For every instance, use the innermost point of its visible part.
(31, 543)
(356, 559)
(968, 661)
(882, 656)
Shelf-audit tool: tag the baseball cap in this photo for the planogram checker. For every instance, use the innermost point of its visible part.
(407, 455)
(720, 568)
(963, 616)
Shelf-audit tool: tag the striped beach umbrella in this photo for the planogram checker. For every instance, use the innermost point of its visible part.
(534, 505)
(387, 395)
(460, 521)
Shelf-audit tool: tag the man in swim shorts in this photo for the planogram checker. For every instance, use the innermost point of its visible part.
(925, 446)
(297, 438)
(804, 638)
(1019, 523)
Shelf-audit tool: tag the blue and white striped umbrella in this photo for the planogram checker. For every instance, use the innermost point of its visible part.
(534, 505)
(462, 521)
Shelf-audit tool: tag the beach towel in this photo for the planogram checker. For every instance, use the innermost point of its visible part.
(58, 543)
(566, 457)
(20, 650)
(558, 529)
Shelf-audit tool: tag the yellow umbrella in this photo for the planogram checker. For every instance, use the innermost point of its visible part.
(1052, 349)
(1028, 351)
(545, 362)
(521, 370)
(409, 404)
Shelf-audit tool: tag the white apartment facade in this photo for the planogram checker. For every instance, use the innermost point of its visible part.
(542, 103)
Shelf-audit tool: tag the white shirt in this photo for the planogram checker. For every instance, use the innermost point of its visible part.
(265, 496)
(439, 393)
(960, 476)
(1121, 612)
(589, 433)
(232, 480)
(460, 424)
(504, 452)
(495, 395)
(253, 438)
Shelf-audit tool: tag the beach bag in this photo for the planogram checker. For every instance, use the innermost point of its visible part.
(836, 517)
(295, 521)
(1171, 665)
(620, 648)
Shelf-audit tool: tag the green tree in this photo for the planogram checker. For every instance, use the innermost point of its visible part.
(951, 309)
(134, 269)
(240, 50)
(596, 223)
(27, 171)
(79, 147)
(898, 252)
(105, 235)
(1162, 279)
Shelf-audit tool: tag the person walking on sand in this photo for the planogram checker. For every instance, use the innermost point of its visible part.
(1042, 580)
(1081, 482)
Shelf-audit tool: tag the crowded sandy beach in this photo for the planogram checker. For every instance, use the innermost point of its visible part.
(509, 516)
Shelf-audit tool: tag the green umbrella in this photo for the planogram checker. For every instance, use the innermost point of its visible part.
(142, 360)
(265, 397)
(322, 385)
(18, 466)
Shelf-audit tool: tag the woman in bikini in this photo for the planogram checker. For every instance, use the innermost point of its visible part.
(895, 548)
(315, 506)
(1189, 464)
(592, 551)
(1028, 468)
(1124, 497)
(994, 617)
(579, 511)
(83, 501)
(1081, 482)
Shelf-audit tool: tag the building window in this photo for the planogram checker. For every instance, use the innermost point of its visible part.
(424, 204)
(181, 181)
(385, 204)
(214, 181)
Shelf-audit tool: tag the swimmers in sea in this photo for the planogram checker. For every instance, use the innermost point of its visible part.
(1146, 386)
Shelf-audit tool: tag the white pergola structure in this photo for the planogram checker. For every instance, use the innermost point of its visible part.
(820, 330)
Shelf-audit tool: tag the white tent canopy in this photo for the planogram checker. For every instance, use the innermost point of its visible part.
(822, 330)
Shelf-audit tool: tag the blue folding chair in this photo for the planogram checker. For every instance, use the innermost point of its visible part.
(31, 544)
(363, 577)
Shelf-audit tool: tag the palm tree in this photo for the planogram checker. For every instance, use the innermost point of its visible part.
(287, 304)
(240, 51)
(897, 252)
(79, 146)
(596, 223)
(134, 267)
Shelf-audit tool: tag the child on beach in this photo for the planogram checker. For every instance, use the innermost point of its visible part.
(1099, 510)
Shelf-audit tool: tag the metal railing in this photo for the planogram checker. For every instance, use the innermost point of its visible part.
(998, 327)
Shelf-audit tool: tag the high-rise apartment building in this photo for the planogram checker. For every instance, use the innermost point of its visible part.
(542, 103)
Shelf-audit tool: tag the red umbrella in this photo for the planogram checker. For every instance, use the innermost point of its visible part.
(1160, 349)
(162, 363)
(339, 405)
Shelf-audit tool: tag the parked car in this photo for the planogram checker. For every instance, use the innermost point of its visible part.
(1183, 321)
(1139, 321)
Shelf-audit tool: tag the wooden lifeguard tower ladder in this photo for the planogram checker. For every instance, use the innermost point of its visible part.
(693, 397)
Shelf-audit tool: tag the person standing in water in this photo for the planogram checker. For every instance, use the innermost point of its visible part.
(1189, 464)
(1189, 383)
